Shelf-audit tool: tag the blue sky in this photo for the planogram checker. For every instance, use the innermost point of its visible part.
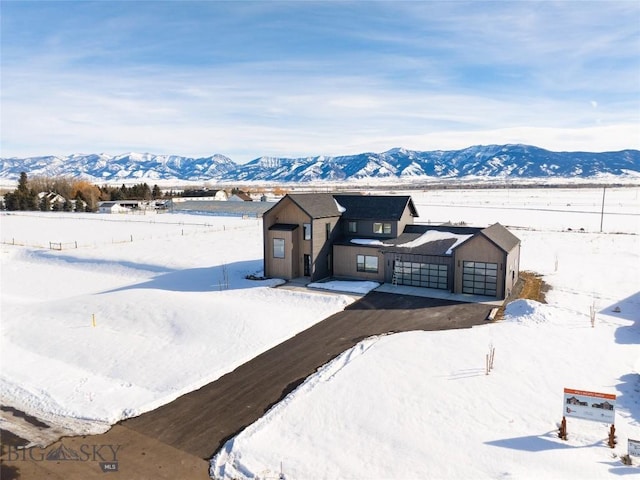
(247, 79)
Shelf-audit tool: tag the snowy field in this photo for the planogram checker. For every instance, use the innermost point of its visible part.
(443, 417)
(173, 311)
(171, 305)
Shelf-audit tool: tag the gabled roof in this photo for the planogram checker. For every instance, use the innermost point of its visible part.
(243, 196)
(354, 206)
(502, 237)
(375, 207)
(316, 205)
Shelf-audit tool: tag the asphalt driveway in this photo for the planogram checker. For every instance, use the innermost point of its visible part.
(175, 440)
(201, 422)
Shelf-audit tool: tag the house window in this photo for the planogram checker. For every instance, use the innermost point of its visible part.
(327, 229)
(382, 228)
(353, 227)
(278, 248)
(306, 229)
(366, 263)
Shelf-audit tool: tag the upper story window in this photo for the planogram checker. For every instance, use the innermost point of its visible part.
(382, 228)
(306, 231)
(353, 227)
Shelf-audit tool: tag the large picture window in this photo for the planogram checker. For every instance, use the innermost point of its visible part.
(367, 263)
(382, 228)
(278, 248)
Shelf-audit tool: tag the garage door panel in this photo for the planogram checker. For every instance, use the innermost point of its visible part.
(426, 275)
(480, 278)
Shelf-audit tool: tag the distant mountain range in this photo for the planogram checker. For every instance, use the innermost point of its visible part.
(489, 162)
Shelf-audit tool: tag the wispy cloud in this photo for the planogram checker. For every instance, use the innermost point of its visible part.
(252, 78)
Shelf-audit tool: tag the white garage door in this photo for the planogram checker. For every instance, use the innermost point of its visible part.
(480, 278)
(427, 275)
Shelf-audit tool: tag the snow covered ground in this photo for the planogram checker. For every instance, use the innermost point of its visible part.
(420, 404)
(173, 311)
(171, 305)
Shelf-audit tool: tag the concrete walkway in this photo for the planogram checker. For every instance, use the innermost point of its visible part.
(435, 293)
(301, 283)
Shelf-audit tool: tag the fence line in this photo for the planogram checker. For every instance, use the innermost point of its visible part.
(74, 244)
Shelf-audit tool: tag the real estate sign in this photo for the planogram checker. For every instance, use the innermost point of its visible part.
(599, 407)
(634, 447)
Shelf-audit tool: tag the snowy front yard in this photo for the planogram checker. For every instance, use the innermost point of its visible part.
(172, 311)
(147, 309)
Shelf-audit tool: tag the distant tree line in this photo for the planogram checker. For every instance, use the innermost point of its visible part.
(69, 194)
(140, 191)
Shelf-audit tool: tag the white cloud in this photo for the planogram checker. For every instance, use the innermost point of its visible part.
(455, 74)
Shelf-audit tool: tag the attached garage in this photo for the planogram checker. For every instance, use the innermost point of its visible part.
(488, 263)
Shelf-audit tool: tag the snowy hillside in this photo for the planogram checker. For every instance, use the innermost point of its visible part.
(492, 161)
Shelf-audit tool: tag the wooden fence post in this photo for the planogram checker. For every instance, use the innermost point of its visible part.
(563, 429)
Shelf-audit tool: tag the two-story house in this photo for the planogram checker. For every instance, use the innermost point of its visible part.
(373, 237)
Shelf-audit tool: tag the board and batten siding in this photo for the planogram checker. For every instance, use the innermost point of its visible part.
(512, 270)
(318, 248)
(287, 212)
(286, 267)
(479, 249)
(406, 219)
(321, 246)
(345, 262)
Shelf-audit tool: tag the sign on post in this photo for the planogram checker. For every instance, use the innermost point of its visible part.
(598, 407)
(633, 447)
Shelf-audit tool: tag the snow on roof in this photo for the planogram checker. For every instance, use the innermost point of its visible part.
(434, 235)
(366, 241)
(341, 209)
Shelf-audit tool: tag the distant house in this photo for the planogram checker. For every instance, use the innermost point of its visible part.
(221, 195)
(373, 237)
(52, 197)
(112, 207)
(240, 197)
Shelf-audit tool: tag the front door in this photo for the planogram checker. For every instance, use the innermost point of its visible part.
(307, 265)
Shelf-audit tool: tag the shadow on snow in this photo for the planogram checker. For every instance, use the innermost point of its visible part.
(534, 443)
(627, 309)
(206, 279)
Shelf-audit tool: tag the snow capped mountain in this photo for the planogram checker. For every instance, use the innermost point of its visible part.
(128, 166)
(491, 161)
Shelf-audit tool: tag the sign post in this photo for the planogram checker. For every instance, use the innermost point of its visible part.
(563, 429)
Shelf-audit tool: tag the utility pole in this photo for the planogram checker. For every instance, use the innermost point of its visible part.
(604, 191)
